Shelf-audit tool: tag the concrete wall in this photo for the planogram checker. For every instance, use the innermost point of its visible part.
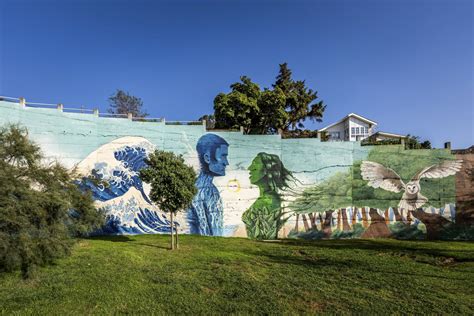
(253, 185)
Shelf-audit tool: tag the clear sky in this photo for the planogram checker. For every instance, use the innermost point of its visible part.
(406, 64)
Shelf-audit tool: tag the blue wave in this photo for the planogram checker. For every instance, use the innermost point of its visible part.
(104, 188)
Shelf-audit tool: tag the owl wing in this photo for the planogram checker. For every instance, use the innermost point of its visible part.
(380, 176)
(441, 170)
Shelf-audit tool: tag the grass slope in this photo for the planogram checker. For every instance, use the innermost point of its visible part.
(137, 274)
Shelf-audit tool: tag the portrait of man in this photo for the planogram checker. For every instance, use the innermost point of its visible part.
(206, 212)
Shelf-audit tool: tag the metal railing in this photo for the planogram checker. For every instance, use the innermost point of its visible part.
(83, 110)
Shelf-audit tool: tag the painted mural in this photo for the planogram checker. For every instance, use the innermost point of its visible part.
(260, 187)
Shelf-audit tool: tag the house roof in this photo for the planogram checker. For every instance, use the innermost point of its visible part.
(357, 116)
(389, 135)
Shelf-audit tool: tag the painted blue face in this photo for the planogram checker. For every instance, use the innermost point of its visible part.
(217, 166)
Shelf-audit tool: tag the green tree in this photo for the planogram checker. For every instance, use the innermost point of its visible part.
(414, 142)
(335, 193)
(172, 184)
(298, 100)
(41, 207)
(286, 106)
(121, 102)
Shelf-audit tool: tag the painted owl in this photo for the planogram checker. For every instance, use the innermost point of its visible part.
(380, 176)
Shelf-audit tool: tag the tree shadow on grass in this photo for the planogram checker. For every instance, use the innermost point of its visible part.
(386, 246)
(114, 238)
(312, 262)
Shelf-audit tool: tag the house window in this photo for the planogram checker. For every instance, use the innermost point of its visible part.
(367, 130)
(352, 130)
(334, 135)
(357, 130)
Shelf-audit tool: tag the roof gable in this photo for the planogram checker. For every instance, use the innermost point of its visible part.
(359, 117)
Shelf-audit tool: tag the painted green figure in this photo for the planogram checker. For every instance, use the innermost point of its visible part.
(264, 218)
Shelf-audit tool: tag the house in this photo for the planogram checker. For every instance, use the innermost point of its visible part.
(354, 127)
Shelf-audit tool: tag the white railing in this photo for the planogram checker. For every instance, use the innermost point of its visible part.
(22, 102)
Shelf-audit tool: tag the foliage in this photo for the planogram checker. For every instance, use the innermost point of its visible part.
(300, 133)
(137, 275)
(414, 142)
(331, 194)
(41, 206)
(172, 182)
(299, 99)
(210, 121)
(406, 163)
(357, 231)
(404, 231)
(121, 102)
(284, 107)
(371, 141)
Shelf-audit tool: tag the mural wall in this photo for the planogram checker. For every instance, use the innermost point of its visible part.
(261, 187)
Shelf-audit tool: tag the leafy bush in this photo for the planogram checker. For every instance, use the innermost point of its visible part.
(405, 231)
(41, 208)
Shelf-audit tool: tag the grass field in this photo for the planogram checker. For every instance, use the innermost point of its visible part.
(137, 274)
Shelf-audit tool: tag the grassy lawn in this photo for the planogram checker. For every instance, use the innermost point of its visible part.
(137, 274)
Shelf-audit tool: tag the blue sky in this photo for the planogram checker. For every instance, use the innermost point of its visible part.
(406, 64)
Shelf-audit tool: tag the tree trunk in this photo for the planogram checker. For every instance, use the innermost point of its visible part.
(312, 218)
(327, 223)
(354, 216)
(171, 226)
(409, 219)
(365, 220)
(296, 224)
(345, 224)
(305, 223)
(398, 216)
(339, 220)
(378, 228)
(387, 216)
(464, 212)
(321, 220)
(176, 232)
(434, 223)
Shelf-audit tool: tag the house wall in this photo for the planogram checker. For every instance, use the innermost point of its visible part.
(263, 188)
(356, 123)
(338, 128)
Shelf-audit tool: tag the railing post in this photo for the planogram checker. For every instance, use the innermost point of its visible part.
(96, 112)
(60, 107)
(242, 129)
(402, 141)
(22, 102)
(130, 116)
(204, 124)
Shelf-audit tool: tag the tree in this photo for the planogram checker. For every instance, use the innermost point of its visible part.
(284, 107)
(121, 102)
(299, 98)
(172, 184)
(41, 207)
(210, 121)
(335, 193)
(414, 142)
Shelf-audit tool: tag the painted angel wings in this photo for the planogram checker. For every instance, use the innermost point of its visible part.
(380, 176)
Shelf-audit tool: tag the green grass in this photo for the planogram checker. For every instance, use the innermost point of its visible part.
(137, 274)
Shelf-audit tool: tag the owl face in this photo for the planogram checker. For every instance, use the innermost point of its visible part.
(412, 187)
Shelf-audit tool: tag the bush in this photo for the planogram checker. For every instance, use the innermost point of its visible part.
(41, 208)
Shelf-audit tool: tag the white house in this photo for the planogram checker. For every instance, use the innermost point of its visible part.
(352, 127)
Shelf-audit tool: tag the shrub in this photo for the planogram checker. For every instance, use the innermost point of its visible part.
(41, 208)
